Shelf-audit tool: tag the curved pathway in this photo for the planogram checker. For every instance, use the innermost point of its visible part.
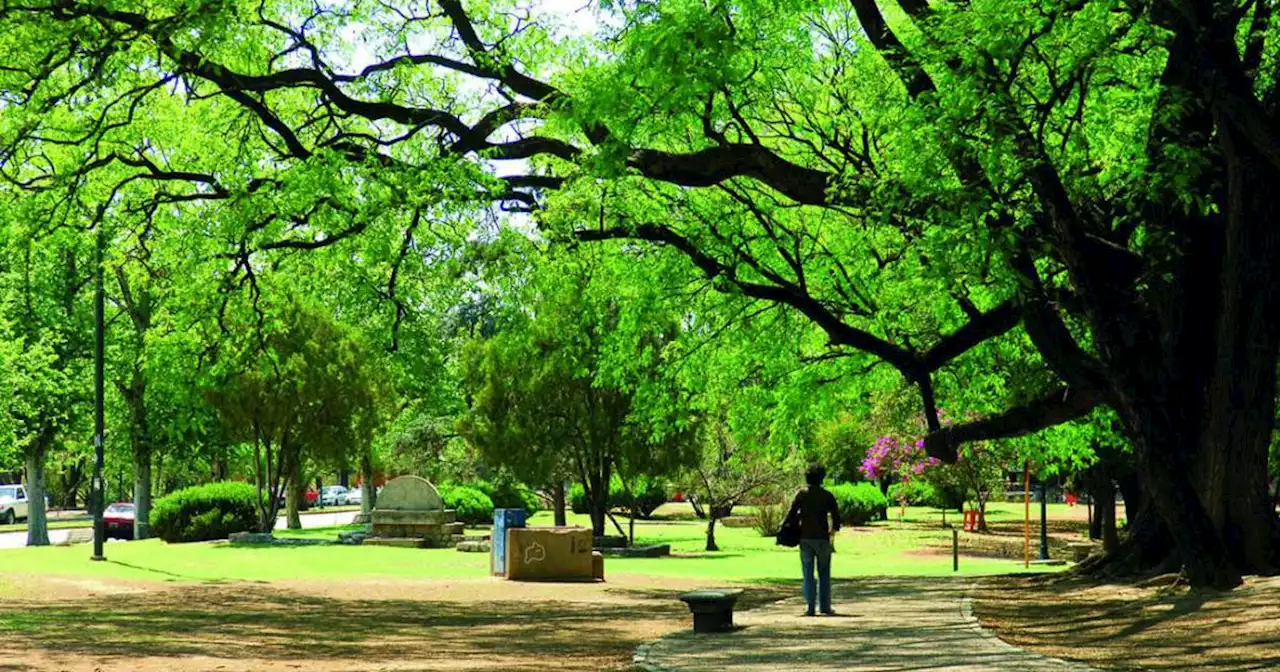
(885, 624)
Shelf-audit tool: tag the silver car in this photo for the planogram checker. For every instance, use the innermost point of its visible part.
(333, 495)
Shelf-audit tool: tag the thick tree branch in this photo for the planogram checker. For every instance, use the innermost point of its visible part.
(837, 330)
(980, 328)
(714, 165)
(1055, 408)
(891, 48)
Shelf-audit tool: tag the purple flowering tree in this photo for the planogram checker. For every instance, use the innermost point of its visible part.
(891, 459)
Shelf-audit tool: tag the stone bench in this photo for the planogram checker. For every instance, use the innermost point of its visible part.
(712, 609)
(1080, 550)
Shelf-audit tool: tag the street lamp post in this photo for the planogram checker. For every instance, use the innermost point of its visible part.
(99, 423)
(1044, 510)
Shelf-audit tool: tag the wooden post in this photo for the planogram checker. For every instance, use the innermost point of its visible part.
(1026, 504)
(955, 550)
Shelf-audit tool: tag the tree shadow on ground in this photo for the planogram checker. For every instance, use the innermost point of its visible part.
(1123, 627)
(239, 621)
(245, 621)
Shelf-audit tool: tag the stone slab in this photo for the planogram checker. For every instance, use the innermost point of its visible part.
(402, 517)
(251, 538)
(415, 531)
(473, 546)
(409, 493)
(77, 535)
(654, 551)
(402, 542)
(609, 542)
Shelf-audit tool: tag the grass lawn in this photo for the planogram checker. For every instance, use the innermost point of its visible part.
(154, 606)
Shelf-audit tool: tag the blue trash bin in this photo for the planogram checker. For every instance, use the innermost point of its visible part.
(503, 520)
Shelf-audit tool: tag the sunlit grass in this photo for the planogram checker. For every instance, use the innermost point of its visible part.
(744, 555)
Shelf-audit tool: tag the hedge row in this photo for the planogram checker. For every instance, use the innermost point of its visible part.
(859, 502)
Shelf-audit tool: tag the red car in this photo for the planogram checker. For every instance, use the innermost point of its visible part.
(308, 500)
(118, 521)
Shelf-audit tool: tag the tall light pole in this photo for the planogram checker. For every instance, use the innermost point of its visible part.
(99, 420)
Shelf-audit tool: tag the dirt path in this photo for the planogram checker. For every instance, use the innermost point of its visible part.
(886, 624)
(481, 624)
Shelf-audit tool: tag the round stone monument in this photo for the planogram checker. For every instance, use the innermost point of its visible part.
(410, 512)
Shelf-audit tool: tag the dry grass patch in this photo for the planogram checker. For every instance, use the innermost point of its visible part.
(1124, 627)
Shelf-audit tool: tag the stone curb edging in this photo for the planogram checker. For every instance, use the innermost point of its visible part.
(644, 655)
(971, 621)
(641, 658)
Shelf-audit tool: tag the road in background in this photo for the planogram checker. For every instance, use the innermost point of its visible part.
(309, 521)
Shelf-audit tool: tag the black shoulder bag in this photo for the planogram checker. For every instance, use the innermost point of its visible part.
(789, 533)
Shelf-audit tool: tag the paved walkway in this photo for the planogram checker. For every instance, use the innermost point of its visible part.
(885, 624)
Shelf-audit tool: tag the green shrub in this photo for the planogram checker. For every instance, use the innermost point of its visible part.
(507, 493)
(205, 512)
(859, 503)
(577, 498)
(650, 493)
(916, 492)
(767, 519)
(472, 506)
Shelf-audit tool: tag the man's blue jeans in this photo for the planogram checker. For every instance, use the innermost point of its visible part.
(819, 551)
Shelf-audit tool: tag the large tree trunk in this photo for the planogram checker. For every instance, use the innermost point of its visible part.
(711, 534)
(1232, 464)
(598, 502)
(557, 504)
(142, 495)
(72, 477)
(37, 523)
(1098, 483)
(296, 492)
(1110, 531)
(1131, 492)
(140, 440)
(369, 493)
(1188, 342)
